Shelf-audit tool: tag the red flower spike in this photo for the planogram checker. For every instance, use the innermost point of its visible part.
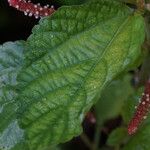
(141, 111)
(31, 9)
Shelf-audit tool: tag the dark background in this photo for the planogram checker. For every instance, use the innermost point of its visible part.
(14, 25)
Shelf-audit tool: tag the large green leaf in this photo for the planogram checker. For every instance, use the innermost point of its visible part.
(10, 63)
(71, 56)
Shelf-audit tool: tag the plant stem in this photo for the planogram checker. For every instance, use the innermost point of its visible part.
(97, 137)
(86, 140)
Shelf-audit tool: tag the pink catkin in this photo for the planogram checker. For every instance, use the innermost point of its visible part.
(31, 9)
(141, 111)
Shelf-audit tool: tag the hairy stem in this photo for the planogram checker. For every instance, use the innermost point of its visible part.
(97, 137)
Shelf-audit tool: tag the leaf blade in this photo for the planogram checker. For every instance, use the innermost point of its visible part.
(61, 81)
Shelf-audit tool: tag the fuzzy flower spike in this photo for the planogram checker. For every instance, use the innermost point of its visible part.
(141, 111)
(31, 9)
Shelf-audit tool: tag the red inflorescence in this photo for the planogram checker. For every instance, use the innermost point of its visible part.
(31, 9)
(141, 111)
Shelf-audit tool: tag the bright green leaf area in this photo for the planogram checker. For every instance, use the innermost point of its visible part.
(10, 63)
(70, 57)
(112, 99)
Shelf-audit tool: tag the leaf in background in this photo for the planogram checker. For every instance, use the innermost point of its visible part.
(129, 105)
(141, 140)
(112, 99)
(10, 63)
(117, 136)
(71, 56)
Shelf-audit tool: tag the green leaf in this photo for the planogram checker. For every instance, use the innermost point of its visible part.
(71, 56)
(112, 99)
(117, 136)
(10, 63)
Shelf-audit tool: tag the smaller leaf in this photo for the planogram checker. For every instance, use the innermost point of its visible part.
(129, 105)
(117, 136)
